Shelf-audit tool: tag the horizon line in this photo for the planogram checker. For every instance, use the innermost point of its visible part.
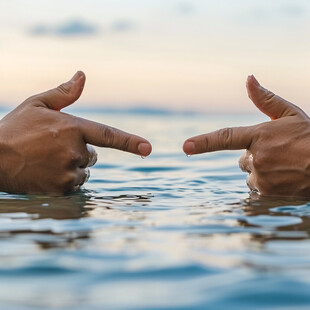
(138, 109)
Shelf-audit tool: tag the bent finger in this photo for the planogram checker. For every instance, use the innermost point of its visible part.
(92, 156)
(106, 136)
(82, 176)
(246, 162)
(88, 156)
(252, 182)
(236, 138)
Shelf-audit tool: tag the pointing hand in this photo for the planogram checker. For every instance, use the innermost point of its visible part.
(277, 154)
(46, 151)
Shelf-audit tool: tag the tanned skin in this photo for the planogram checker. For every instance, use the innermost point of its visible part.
(43, 150)
(277, 156)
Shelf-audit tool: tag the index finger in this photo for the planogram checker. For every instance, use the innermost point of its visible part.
(236, 138)
(106, 136)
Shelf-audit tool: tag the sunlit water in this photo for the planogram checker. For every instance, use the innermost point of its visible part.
(165, 232)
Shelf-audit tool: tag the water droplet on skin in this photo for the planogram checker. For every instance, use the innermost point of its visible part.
(188, 155)
(142, 157)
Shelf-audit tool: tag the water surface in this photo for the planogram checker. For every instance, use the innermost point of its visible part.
(165, 232)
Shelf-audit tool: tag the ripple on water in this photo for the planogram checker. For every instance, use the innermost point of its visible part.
(167, 232)
(52, 225)
(154, 169)
(272, 221)
(220, 177)
(302, 210)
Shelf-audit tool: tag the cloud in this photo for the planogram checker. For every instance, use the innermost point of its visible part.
(76, 28)
(293, 10)
(123, 26)
(185, 8)
(69, 29)
(271, 13)
(281, 11)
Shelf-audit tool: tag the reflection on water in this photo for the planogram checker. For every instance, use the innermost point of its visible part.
(163, 232)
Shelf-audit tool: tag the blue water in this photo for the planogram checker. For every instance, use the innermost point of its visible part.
(165, 232)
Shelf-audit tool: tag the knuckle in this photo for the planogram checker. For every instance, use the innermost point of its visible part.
(300, 125)
(64, 88)
(68, 126)
(34, 100)
(269, 96)
(249, 182)
(206, 142)
(264, 131)
(225, 137)
(77, 158)
(92, 159)
(31, 99)
(252, 182)
(243, 163)
(91, 154)
(260, 161)
(125, 144)
(108, 136)
(72, 124)
(67, 181)
(87, 175)
(69, 157)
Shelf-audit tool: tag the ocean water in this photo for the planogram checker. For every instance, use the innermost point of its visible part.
(165, 232)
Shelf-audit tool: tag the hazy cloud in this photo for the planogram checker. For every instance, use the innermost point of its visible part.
(271, 13)
(77, 28)
(281, 11)
(185, 8)
(123, 25)
(293, 10)
(69, 29)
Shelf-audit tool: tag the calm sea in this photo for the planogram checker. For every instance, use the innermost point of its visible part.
(165, 232)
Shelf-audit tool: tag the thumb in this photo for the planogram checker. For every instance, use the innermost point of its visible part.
(63, 95)
(269, 103)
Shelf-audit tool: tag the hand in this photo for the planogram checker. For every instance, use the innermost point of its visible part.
(277, 154)
(43, 150)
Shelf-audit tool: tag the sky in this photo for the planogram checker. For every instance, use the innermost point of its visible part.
(186, 55)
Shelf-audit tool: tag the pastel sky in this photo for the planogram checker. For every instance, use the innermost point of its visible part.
(166, 53)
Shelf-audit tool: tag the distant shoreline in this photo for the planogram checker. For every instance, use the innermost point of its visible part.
(138, 110)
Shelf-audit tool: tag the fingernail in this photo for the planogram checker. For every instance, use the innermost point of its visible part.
(76, 76)
(252, 77)
(189, 147)
(144, 149)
